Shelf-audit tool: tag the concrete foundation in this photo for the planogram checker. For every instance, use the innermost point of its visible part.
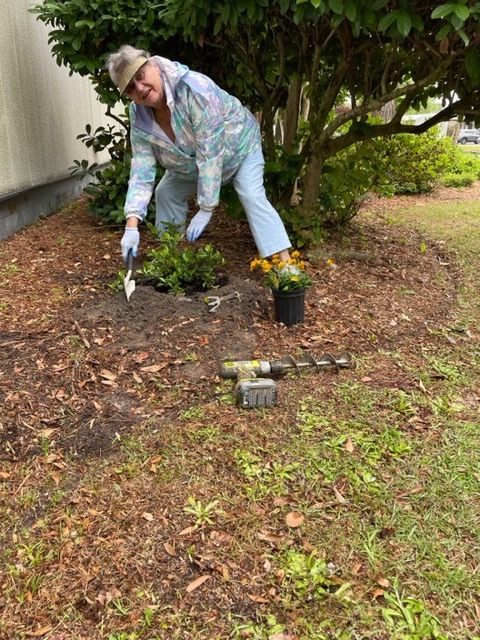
(17, 210)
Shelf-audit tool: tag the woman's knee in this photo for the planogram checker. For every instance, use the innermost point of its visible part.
(163, 194)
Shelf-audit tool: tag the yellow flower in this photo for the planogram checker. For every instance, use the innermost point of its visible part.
(254, 264)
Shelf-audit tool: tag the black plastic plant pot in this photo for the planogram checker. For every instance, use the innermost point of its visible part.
(289, 306)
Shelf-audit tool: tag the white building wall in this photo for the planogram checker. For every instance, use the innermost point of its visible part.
(42, 109)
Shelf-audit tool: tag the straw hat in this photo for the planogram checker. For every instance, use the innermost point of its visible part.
(129, 71)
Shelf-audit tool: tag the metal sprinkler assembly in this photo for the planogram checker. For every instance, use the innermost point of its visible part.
(253, 390)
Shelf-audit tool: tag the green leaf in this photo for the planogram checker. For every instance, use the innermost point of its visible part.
(336, 6)
(298, 15)
(351, 10)
(404, 23)
(456, 22)
(379, 4)
(444, 31)
(443, 10)
(337, 20)
(417, 22)
(218, 25)
(463, 36)
(84, 23)
(233, 18)
(472, 64)
(387, 20)
(462, 12)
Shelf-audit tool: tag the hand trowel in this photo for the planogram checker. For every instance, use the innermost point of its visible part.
(128, 283)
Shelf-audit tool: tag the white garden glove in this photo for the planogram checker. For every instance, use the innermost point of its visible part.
(198, 224)
(130, 241)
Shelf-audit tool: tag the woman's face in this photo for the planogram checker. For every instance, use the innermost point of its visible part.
(146, 86)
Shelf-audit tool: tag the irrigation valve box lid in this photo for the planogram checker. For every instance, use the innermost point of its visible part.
(256, 392)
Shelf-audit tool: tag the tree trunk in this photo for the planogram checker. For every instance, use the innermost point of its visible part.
(292, 111)
(269, 132)
(312, 181)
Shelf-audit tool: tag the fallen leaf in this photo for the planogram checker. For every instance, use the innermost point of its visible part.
(147, 516)
(294, 519)
(422, 388)
(170, 549)
(46, 433)
(154, 368)
(225, 572)
(108, 375)
(60, 367)
(271, 537)
(338, 495)
(378, 593)
(196, 583)
(105, 597)
(55, 477)
(349, 445)
(365, 379)
(383, 582)
(257, 598)
(477, 610)
(38, 632)
(186, 531)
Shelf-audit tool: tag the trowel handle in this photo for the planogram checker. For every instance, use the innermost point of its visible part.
(130, 260)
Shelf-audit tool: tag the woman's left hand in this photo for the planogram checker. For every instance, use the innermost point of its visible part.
(198, 224)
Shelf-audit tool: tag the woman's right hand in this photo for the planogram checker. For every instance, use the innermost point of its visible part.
(130, 240)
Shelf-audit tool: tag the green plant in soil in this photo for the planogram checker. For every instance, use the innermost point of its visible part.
(174, 270)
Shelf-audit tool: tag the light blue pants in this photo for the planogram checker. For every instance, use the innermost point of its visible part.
(172, 193)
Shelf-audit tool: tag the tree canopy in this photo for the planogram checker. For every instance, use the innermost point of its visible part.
(316, 69)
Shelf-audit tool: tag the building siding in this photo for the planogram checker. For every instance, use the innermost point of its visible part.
(42, 110)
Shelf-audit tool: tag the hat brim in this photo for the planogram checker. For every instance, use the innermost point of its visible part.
(128, 73)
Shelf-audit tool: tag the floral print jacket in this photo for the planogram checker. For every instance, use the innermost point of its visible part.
(213, 131)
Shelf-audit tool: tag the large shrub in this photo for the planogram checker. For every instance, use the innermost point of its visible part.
(414, 163)
(462, 170)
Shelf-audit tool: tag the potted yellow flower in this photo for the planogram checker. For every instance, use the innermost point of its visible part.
(288, 282)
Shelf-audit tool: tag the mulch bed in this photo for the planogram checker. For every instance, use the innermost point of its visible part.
(71, 347)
